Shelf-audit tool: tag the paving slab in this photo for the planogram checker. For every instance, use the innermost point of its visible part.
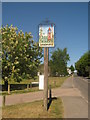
(75, 107)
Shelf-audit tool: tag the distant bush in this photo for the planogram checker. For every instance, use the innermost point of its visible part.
(83, 65)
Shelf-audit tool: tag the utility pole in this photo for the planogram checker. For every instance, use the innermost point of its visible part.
(46, 78)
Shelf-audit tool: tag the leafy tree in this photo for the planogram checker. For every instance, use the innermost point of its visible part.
(58, 62)
(20, 54)
(83, 65)
(71, 68)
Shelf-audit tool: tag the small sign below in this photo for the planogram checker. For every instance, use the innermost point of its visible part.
(41, 82)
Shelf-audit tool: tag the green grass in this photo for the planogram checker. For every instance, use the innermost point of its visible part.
(34, 110)
(53, 81)
(56, 81)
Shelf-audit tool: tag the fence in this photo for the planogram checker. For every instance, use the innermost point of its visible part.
(18, 86)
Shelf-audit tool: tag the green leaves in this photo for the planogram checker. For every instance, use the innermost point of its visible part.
(83, 65)
(20, 54)
(58, 62)
(72, 68)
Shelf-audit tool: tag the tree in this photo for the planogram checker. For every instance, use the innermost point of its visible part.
(58, 62)
(71, 68)
(20, 54)
(83, 65)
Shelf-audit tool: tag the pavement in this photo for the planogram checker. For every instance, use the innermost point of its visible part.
(74, 104)
(82, 84)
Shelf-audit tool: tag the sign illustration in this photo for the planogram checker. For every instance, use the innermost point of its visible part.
(46, 35)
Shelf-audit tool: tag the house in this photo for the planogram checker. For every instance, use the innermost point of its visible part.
(69, 71)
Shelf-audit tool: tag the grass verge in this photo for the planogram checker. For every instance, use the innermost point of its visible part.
(56, 81)
(34, 110)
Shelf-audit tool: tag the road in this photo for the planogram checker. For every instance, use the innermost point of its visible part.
(82, 84)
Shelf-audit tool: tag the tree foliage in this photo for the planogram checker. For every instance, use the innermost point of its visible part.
(20, 54)
(58, 62)
(71, 68)
(83, 65)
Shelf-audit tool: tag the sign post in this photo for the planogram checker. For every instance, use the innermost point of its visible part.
(46, 78)
(46, 40)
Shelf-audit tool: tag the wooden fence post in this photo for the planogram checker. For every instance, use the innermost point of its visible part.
(30, 85)
(8, 88)
(27, 86)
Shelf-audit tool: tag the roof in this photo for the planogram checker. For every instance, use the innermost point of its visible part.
(49, 28)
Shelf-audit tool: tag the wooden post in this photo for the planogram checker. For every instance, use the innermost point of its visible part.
(30, 84)
(8, 88)
(46, 78)
(27, 86)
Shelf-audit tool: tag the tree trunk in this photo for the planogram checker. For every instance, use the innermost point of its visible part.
(6, 85)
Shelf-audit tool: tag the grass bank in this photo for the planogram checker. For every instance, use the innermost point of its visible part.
(56, 81)
(34, 110)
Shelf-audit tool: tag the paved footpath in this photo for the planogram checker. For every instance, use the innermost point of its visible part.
(74, 105)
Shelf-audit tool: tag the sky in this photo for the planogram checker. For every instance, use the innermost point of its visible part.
(71, 20)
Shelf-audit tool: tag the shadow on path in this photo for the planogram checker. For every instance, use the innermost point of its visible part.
(50, 101)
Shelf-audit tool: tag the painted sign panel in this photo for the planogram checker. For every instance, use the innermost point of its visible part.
(46, 35)
(41, 82)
